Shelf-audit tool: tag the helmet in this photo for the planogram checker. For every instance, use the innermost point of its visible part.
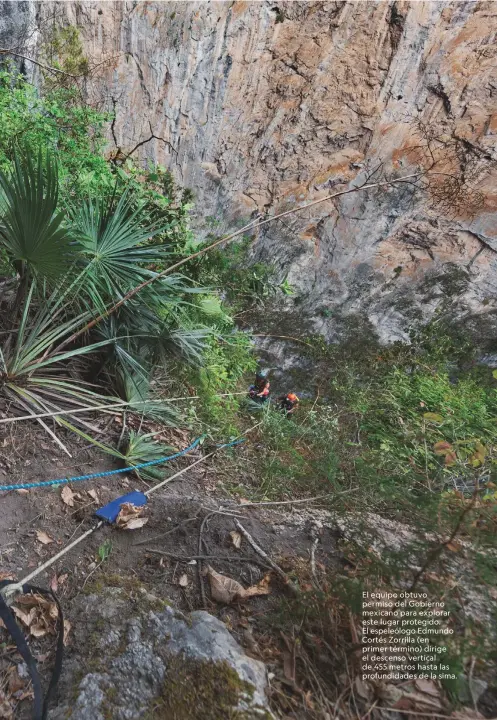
(292, 397)
(262, 374)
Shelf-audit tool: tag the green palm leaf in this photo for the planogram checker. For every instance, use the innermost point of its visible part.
(32, 231)
(112, 240)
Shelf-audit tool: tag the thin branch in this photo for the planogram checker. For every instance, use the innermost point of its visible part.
(187, 558)
(293, 502)
(4, 51)
(281, 573)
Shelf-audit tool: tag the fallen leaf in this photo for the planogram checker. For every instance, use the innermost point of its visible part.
(22, 491)
(93, 494)
(454, 546)
(54, 584)
(244, 501)
(129, 517)
(236, 538)
(27, 618)
(67, 496)
(43, 537)
(6, 576)
(135, 524)
(62, 578)
(223, 589)
(39, 629)
(183, 580)
(262, 588)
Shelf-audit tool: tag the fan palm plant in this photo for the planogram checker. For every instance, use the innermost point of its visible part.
(113, 239)
(33, 232)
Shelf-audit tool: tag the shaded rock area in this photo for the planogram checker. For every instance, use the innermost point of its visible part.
(142, 659)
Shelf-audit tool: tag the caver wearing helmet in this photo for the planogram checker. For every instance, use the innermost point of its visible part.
(259, 392)
(288, 403)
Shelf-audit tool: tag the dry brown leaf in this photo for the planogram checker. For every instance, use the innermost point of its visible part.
(22, 491)
(27, 618)
(135, 524)
(37, 613)
(62, 578)
(183, 580)
(236, 539)
(67, 496)
(129, 517)
(262, 588)
(223, 589)
(42, 537)
(93, 494)
(39, 629)
(454, 546)
(6, 575)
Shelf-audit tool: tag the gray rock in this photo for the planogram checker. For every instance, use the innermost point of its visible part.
(129, 673)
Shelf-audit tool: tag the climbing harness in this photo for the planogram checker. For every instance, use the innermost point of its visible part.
(40, 706)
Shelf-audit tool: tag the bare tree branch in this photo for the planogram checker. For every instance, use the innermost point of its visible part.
(4, 51)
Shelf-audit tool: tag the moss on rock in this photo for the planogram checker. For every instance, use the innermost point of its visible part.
(195, 690)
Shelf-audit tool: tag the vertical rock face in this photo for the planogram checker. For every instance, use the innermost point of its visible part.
(260, 106)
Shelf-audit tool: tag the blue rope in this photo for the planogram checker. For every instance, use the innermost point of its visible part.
(108, 473)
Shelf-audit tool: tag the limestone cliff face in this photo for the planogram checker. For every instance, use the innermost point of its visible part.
(262, 106)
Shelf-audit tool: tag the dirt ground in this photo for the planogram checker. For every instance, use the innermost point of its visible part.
(36, 524)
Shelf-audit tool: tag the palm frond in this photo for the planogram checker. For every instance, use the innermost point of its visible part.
(32, 230)
(143, 448)
(135, 389)
(112, 240)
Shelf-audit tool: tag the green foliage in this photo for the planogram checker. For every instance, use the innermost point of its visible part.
(62, 49)
(143, 449)
(32, 230)
(297, 456)
(112, 239)
(104, 550)
(56, 121)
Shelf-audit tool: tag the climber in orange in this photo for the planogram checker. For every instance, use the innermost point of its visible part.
(260, 391)
(288, 403)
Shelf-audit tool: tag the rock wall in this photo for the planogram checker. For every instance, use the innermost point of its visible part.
(261, 106)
